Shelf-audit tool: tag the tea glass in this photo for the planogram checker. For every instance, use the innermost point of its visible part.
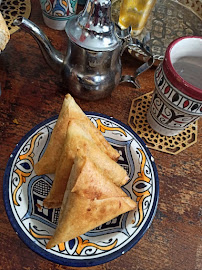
(132, 13)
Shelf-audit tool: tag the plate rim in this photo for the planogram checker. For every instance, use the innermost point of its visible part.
(75, 262)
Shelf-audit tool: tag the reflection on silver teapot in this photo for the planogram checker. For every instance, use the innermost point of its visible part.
(91, 68)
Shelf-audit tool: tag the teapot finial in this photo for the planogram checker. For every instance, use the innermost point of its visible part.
(93, 28)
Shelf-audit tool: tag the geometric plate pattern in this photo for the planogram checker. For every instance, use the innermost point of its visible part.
(168, 144)
(24, 193)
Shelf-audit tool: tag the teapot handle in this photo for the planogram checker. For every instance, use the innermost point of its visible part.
(133, 43)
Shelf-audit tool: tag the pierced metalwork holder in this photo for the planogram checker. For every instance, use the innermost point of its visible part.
(138, 122)
(11, 9)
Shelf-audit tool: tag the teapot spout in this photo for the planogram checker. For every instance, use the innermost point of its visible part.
(54, 58)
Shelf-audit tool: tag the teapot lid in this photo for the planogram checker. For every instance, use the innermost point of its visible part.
(93, 28)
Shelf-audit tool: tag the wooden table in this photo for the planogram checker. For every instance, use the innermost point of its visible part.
(31, 93)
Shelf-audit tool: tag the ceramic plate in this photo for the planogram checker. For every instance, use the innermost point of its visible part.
(24, 193)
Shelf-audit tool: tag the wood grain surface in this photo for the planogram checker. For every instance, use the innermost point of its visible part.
(30, 93)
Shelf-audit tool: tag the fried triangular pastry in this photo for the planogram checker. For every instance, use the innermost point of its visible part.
(70, 111)
(90, 198)
(80, 143)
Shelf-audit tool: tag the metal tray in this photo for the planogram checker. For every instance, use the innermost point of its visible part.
(168, 21)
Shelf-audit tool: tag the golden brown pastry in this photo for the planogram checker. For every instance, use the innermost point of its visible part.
(80, 143)
(4, 33)
(70, 111)
(90, 200)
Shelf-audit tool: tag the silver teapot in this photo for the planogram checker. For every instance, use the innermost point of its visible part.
(91, 68)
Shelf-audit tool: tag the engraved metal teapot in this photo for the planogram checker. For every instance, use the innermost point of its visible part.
(91, 68)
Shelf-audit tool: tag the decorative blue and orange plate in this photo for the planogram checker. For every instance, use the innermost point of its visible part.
(24, 192)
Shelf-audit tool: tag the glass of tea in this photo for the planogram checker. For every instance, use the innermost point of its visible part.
(132, 13)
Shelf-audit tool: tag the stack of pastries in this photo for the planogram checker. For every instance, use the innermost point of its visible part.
(87, 178)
